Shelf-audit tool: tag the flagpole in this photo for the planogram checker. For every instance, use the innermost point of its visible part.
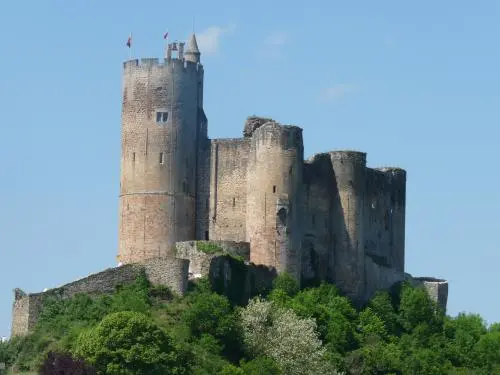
(165, 47)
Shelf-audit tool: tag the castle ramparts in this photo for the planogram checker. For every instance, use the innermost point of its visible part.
(326, 218)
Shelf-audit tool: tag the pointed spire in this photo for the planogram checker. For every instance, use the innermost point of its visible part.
(192, 53)
(193, 45)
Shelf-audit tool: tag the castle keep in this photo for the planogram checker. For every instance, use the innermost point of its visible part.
(326, 218)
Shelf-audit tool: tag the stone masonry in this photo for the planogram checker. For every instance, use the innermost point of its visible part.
(326, 218)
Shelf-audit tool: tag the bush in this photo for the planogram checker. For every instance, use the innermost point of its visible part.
(129, 343)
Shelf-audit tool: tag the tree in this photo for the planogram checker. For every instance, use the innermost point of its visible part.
(212, 314)
(129, 343)
(280, 334)
(261, 365)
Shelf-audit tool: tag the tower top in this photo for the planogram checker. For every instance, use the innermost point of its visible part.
(192, 52)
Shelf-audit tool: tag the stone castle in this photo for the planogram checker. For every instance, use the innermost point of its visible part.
(326, 218)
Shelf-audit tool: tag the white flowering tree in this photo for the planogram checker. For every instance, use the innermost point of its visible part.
(280, 334)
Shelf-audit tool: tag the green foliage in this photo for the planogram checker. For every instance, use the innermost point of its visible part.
(212, 314)
(261, 365)
(129, 343)
(287, 283)
(208, 247)
(291, 331)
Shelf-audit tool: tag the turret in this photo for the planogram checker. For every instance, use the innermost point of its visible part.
(274, 193)
(350, 173)
(162, 120)
(192, 52)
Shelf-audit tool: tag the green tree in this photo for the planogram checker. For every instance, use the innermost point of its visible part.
(260, 366)
(129, 343)
(212, 314)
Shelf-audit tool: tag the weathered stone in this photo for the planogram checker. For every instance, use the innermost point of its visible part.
(253, 123)
(170, 272)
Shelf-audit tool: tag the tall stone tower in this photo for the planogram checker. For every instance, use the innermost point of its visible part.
(162, 123)
(274, 197)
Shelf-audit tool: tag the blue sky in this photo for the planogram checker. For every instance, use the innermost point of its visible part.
(413, 84)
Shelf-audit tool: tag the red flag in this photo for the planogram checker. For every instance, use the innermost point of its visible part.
(129, 41)
(165, 36)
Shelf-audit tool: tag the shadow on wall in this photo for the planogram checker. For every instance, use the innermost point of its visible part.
(239, 281)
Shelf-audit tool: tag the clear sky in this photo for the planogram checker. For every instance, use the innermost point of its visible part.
(413, 84)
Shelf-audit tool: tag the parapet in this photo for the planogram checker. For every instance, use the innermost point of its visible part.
(318, 169)
(155, 63)
(348, 156)
(393, 171)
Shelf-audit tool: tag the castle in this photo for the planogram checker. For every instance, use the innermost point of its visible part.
(327, 218)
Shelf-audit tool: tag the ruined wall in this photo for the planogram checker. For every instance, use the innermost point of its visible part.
(274, 194)
(166, 271)
(350, 177)
(159, 157)
(436, 288)
(317, 244)
(225, 264)
(200, 253)
(228, 200)
(380, 277)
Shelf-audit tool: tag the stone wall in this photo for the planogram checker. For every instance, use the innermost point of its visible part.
(380, 277)
(436, 288)
(200, 254)
(317, 223)
(170, 272)
(225, 264)
(228, 201)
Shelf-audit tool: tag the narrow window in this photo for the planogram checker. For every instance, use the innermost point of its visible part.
(234, 201)
(133, 156)
(161, 158)
(161, 117)
(274, 188)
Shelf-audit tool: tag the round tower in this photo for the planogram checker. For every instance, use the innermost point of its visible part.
(161, 117)
(350, 177)
(274, 192)
(397, 212)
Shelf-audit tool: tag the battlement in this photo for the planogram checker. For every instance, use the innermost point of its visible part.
(318, 158)
(350, 156)
(154, 62)
(394, 171)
